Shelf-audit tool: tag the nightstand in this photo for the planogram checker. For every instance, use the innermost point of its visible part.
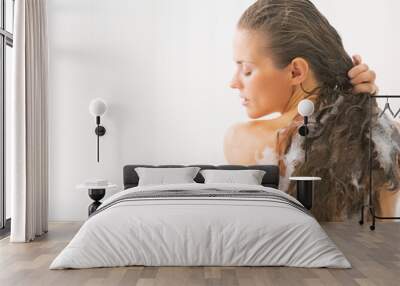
(96, 193)
(305, 190)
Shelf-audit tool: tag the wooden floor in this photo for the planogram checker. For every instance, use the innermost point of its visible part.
(375, 257)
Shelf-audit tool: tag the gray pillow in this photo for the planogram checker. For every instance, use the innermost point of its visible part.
(162, 176)
(248, 177)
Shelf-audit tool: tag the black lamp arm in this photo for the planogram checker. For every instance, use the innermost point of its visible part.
(99, 131)
(303, 131)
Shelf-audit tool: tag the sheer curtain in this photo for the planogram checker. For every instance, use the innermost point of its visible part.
(28, 121)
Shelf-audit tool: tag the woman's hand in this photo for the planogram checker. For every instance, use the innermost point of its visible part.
(362, 78)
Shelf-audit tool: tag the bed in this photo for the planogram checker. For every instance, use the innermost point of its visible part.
(201, 224)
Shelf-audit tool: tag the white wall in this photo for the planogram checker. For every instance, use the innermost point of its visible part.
(164, 68)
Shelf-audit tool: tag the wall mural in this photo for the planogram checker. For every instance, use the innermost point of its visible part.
(286, 51)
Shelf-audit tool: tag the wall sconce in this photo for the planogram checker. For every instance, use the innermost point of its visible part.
(97, 108)
(306, 109)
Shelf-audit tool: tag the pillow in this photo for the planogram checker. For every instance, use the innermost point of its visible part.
(249, 177)
(162, 176)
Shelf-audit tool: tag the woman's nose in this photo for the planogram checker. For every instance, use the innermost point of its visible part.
(235, 82)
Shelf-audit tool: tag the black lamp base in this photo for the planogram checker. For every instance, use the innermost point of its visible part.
(100, 130)
(303, 130)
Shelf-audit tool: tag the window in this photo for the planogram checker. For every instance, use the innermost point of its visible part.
(6, 44)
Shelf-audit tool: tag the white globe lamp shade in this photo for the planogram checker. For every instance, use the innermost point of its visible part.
(97, 107)
(305, 107)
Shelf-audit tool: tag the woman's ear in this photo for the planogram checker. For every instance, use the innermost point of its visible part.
(299, 69)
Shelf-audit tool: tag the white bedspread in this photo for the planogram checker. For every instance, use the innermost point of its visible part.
(200, 231)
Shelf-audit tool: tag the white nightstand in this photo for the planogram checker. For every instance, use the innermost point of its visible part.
(96, 193)
(305, 189)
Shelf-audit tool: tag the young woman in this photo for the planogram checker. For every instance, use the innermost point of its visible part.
(286, 51)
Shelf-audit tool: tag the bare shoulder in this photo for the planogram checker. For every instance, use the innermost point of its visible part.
(240, 129)
(249, 131)
(244, 142)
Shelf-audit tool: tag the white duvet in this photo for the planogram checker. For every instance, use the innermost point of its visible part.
(200, 231)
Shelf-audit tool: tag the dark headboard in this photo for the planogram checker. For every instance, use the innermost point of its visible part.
(271, 177)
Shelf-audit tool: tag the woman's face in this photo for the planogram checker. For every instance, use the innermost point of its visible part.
(263, 87)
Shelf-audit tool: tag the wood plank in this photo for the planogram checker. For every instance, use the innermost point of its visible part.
(375, 258)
